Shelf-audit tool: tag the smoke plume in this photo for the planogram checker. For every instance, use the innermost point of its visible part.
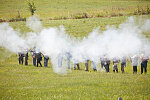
(125, 40)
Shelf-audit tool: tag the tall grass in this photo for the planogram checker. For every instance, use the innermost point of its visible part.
(70, 9)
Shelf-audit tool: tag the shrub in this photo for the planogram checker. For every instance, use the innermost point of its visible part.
(31, 6)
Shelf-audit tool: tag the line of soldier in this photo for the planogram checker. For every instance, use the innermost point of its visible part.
(37, 58)
(105, 62)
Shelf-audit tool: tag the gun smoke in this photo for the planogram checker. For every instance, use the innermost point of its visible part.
(126, 40)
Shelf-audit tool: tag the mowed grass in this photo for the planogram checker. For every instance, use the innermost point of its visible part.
(61, 9)
(32, 83)
(35, 83)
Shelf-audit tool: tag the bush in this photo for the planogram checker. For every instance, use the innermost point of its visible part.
(31, 6)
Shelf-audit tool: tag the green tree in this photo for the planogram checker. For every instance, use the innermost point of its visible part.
(31, 6)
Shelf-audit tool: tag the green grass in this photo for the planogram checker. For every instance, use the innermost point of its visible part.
(61, 9)
(19, 82)
(29, 82)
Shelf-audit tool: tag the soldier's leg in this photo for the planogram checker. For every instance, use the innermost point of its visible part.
(86, 66)
(46, 62)
(60, 59)
(102, 65)
(26, 62)
(40, 63)
(113, 68)
(105, 67)
(78, 66)
(122, 68)
(37, 63)
(33, 61)
(145, 68)
(22, 61)
(108, 67)
(74, 66)
(68, 62)
(141, 68)
(116, 69)
(135, 69)
(94, 66)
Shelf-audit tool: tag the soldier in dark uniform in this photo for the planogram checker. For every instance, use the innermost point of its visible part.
(144, 62)
(123, 63)
(87, 65)
(39, 58)
(77, 64)
(26, 58)
(106, 64)
(115, 64)
(46, 58)
(21, 55)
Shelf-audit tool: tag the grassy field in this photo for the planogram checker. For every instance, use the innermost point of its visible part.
(19, 82)
(32, 83)
(62, 9)
(78, 27)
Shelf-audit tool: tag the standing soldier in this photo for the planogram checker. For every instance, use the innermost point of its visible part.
(46, 58)
(134, 61)
(106, 64)
(123, 63)
(26, 58)
(87, 65)
(144, 62)
(21, 55)
(115, 63)
(39, 58)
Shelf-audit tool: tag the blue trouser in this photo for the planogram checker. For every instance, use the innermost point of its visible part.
(144, 66)
(34, 61)
(45, 62)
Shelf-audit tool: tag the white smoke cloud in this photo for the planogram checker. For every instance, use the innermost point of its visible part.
(126, 40)
(34, 23)
(10, 39)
